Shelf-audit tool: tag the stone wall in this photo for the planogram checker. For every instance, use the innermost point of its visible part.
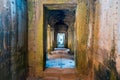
(36, 41)
(106, 39)
(35, 37)
(96, 37)
(13, 39)
(36, 49)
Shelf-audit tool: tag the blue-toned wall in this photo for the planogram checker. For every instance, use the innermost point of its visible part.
(13, 39)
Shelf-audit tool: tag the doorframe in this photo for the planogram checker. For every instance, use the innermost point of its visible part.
(64, 38)
(45, 32)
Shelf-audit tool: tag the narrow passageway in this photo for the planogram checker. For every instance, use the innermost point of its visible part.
(59, 39)
(58, 74)
(60, 58)
(58, 33)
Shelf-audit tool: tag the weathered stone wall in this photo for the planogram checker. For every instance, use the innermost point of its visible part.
(106, 39)
(36, 41)
(35, 37)
(117, 38)
(13, 39)
(84, 40)
(96, 37)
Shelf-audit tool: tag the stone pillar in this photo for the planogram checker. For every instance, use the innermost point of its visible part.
(82, 31)
(52, 39)
(48, 39)
(69, 37)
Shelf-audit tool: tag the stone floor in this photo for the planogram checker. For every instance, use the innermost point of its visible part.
(118, 65)
(58, 74)
(60, 59)
(60, 63)
(60, 66)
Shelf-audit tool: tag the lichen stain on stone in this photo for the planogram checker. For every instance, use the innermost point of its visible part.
(82, 37)
(59, 2)
(31, 13)
(85, 61)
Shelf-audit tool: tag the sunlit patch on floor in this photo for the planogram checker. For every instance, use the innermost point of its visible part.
(60, 63)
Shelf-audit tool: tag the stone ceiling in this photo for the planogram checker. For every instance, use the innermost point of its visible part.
(60, 13)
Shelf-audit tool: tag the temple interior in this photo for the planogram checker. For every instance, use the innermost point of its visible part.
(59, 39)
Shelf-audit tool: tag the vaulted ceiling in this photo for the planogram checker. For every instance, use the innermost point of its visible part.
(61, 13)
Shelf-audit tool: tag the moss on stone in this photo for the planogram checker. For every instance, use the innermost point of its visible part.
(30, 12)
(112, 76)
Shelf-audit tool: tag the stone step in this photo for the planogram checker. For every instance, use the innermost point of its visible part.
(32, 78)
(51, 78)
(61, 78)
(58, 74)
(54, 76)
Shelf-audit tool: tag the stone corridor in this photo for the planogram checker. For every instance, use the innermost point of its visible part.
(59, 39)
(58, 74)
(60, 59)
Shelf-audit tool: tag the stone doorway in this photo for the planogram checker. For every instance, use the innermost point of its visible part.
(58, 32)
(61, 40)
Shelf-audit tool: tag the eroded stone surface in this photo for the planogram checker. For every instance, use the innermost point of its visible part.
(96, 40)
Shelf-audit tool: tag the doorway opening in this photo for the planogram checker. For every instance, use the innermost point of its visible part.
(61, 40)
(59, 35)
